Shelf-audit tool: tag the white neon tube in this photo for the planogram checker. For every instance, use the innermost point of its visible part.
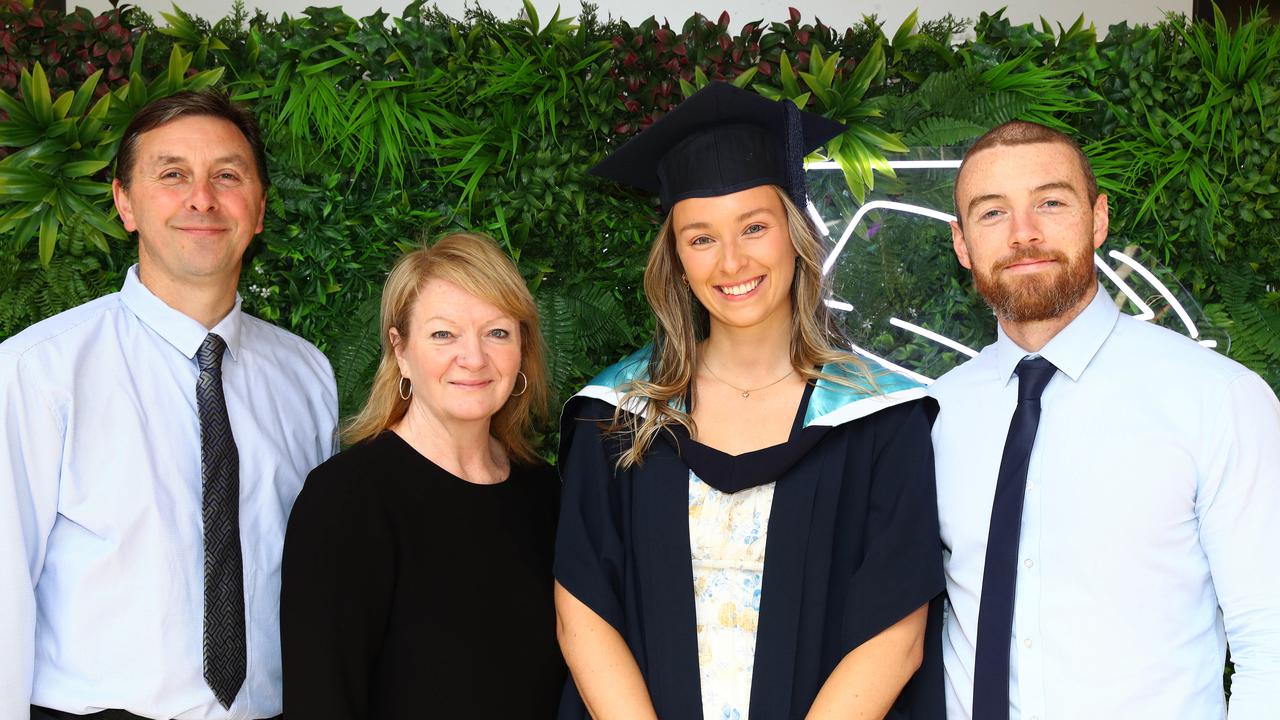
(875, 205)
(1155, 283)
(940, 339)
(923, 379)
(817, 219)
(1145, 309)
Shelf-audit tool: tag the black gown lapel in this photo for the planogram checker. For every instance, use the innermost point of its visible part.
(782, 592)
(663, 561)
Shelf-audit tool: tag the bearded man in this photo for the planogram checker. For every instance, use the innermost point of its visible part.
(1108, 490)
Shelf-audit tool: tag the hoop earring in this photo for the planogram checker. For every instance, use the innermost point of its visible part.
(685, 278)
(400, 386)
(526, 384)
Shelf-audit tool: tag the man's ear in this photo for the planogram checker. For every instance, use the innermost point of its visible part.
(121, 196)
(262, 213)
(1101, 221)
(958, 244)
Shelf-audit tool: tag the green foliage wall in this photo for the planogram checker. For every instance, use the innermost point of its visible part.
(386, 131)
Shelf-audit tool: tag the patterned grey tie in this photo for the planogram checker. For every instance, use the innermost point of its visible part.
(224, 643)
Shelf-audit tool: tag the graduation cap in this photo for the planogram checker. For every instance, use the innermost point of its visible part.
(719, 141)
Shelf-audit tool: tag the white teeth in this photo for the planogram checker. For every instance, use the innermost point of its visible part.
(742, 289)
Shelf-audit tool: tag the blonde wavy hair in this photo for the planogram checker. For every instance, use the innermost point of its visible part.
(682, 323)
(474, 263)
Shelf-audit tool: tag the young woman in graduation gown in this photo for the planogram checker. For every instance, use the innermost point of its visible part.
(417, 563)
(748, 523)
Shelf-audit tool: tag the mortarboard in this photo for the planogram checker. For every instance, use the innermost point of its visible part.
(720, 140)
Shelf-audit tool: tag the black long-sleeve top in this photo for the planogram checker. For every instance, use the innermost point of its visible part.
(408, 592)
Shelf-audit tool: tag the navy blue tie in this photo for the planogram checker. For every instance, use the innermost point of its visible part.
(224, 641)
(999, 575)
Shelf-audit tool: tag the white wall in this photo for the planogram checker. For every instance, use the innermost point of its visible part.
(838, 13)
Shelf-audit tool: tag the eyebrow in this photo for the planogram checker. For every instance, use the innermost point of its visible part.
(740, 218)
(1055, 185)
(440, 318)
(237, 160)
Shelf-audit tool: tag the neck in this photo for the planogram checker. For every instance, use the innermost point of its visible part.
(749, 356)
(465, 449)
(206, 303)
(1033, 335)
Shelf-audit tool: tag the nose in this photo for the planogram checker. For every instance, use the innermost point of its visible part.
(471, 353)
(202, 197)
(1026, 228)
(732, 258)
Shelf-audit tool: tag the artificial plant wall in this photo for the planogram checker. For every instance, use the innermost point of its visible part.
(386, 131)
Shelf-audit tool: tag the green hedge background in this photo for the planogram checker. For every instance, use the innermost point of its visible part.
(386, 131)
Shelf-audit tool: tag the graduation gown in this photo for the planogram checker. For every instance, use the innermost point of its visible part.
(853, 543)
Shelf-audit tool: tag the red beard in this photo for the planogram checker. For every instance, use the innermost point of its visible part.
(1039, 296)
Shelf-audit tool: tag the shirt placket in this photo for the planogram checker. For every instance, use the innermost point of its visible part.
(1027, 636)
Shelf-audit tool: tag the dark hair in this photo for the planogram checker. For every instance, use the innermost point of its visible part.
(1021, 132)
(209, 103)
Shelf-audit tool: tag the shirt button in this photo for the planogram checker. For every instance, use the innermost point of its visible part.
(1027, 642)
(1028, 563)
(1031, 485)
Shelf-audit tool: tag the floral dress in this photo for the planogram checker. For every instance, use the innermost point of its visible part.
(727, 533)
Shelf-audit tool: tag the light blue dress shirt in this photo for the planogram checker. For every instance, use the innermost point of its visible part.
(101, 550)
(1149, 531)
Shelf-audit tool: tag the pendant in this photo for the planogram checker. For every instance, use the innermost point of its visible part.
(746, 394)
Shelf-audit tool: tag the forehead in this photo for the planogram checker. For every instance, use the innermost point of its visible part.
(194, 137)
(444, 299)
(1010, 169)
(726, 207)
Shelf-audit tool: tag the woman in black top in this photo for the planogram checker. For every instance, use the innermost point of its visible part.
(417, 564)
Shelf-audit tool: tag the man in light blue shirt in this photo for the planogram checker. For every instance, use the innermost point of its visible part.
(102, 511)
(1150, 508)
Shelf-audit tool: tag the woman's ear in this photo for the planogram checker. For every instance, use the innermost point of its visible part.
(397, 346)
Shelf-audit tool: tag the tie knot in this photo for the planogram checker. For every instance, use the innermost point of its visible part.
(210, 353)
(1033, 374)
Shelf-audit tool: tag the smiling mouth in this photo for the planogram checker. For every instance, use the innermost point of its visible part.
(741, 288)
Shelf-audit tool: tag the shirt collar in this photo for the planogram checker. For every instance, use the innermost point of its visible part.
(182, 332)
(1072, 349)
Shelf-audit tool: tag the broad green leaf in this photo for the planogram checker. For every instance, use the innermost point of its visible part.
(745, 78)
(135, 65)
(789, 86)
(62, 105)
(38, 97)
(26, 228)
(205, 79)
(904, 31)
(18, 113)
(82, 168)
(48, 237)
(84, 94)
(868, 68)
(824, 96)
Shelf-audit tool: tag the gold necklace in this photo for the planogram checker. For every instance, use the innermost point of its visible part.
(746, 392)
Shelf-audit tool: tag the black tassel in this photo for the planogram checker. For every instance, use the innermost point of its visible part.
(795, 156)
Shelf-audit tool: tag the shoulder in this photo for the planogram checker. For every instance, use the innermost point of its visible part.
(1139, 345)
(855, 390)
(371, 457)
(284, 349)
(65, 332)
(540, 480)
